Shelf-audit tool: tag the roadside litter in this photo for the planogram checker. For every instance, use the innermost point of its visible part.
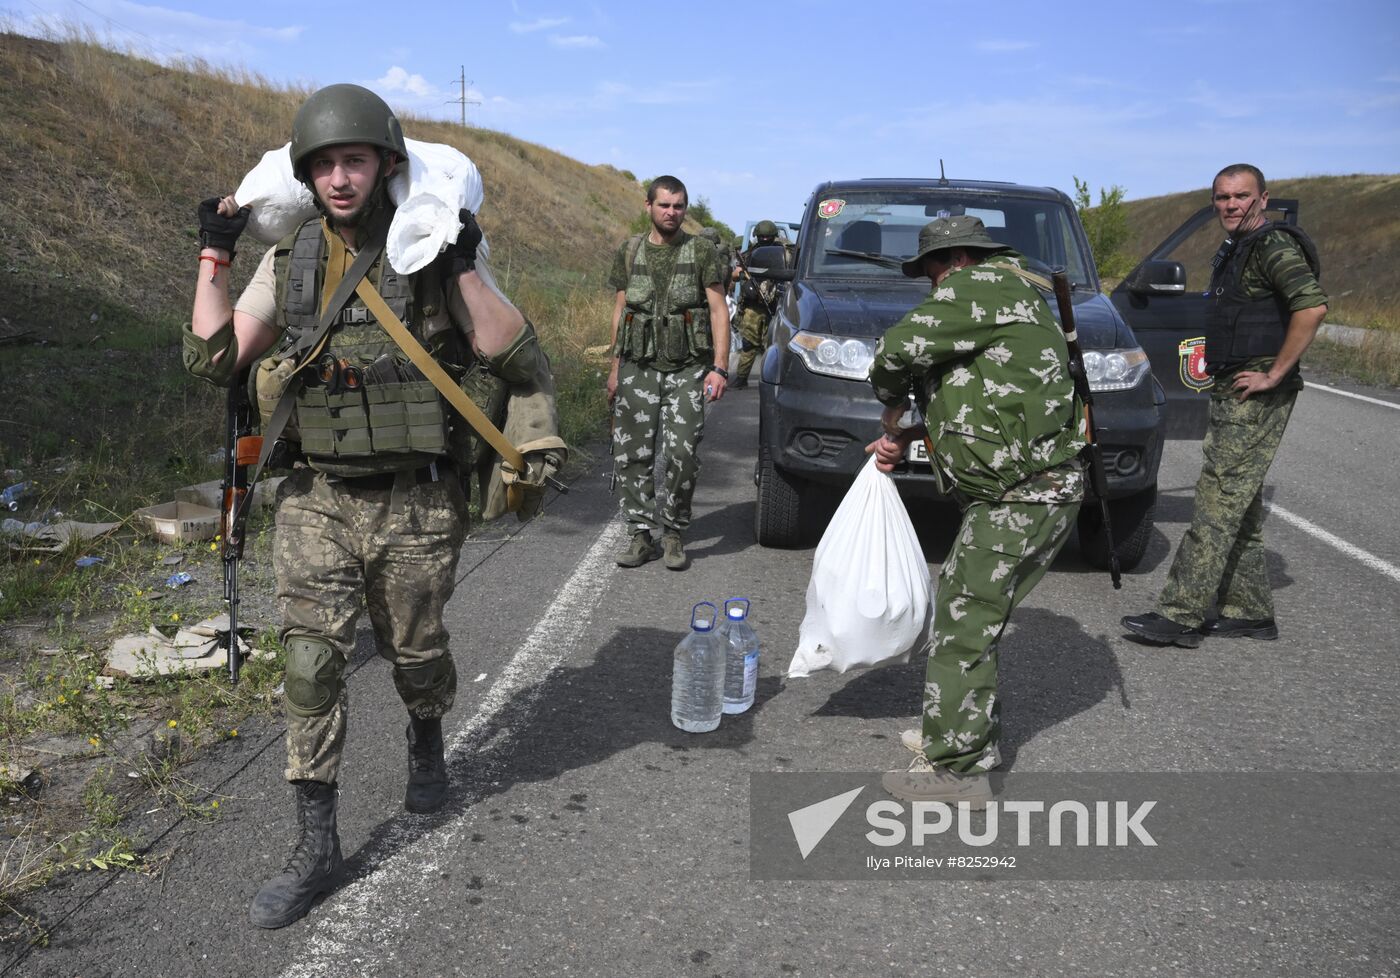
(868, 598)
(191, 650)
(39, 537)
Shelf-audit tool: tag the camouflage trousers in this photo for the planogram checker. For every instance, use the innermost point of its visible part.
(753, 322)
(1221, 557)
(1001, 552)
(658, 412)
(340, 549)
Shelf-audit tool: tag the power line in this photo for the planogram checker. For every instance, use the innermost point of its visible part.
(463, 101)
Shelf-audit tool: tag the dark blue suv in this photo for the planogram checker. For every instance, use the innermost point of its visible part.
(816, 408)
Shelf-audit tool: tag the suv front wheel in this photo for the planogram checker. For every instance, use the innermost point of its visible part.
(1132, 518)
(777, 519)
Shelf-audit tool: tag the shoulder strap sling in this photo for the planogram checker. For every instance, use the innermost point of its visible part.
(283, 411)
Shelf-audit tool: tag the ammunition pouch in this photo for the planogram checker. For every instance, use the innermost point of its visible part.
(270, 381)
(213, 359)
(395, 418)
(665, 342)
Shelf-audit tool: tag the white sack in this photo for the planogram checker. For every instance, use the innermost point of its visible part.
(867, 601)
(438, 182)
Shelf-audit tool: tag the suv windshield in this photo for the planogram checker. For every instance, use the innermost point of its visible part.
(887, 222)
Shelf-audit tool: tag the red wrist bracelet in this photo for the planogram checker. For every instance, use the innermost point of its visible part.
(218, 263)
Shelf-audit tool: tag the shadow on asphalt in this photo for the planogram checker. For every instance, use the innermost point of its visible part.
(1051, 670)
(588, 714)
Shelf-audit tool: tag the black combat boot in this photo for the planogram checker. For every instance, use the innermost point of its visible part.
(314, 864)
(427, 768)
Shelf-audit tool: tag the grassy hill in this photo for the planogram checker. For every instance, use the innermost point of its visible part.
(103, 159)
(1354, 220)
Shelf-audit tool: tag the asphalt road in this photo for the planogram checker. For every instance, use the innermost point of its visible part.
(587, 836)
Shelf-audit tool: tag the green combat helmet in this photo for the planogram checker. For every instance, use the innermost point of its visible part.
(765, 229)
(340, 114)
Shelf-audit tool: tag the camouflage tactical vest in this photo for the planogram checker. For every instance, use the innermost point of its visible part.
(671, 330)
(364, 409)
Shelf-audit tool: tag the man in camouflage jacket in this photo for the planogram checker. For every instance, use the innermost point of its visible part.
(1266, 307)
(987, 363)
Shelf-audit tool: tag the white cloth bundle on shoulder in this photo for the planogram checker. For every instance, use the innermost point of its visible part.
(438, 181)
(868, 598)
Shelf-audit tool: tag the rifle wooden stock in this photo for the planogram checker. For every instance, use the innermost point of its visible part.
(1097, 476)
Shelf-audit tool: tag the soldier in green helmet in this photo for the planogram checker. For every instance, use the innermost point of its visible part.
(757, 298)
(373, 514)
(670, 356)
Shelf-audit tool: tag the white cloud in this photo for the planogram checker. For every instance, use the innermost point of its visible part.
(575, 41)
(538, 24)
(398, 81)
(1004, 46)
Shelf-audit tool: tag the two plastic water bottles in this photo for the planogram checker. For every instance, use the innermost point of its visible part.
(741, 656)
(697, 677)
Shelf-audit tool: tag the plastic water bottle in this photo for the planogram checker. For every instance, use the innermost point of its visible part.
(697, 680)
(741, 656)
(11, 496)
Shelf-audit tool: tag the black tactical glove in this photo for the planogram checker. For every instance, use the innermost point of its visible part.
(463, 250)
(217, 231)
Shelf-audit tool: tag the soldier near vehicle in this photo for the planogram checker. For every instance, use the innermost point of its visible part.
(374, 512)
(1266, 307)
(757, 301)
(988, 364)
(670, 334)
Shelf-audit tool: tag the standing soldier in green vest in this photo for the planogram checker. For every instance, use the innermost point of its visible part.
(372, 515)
(1266, 307)
(670, 347)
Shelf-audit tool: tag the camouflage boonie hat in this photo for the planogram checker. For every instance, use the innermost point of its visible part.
(949, 232)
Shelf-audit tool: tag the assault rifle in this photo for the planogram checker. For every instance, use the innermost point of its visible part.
(744, 273)
(1097, 476)
(241, 450)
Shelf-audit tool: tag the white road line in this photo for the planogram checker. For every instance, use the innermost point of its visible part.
(366, 919)
(1359, 397)
(1351, 550)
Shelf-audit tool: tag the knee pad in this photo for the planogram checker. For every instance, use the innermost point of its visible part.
(422, 677)
(313, 676)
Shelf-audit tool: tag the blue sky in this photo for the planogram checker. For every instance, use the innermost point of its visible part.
(754, 104)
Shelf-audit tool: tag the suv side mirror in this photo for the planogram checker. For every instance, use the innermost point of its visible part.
(1159, 277)
(773, 262)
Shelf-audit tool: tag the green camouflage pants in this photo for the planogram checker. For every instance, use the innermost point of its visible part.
(1002, 551)
(753, 323)
(1221, 557)
(663, 412)
(339, 550)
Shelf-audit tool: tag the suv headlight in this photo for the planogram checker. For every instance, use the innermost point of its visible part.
(848, 357)
(1115, 370)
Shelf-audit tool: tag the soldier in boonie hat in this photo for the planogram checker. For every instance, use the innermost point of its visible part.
(949, 232)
